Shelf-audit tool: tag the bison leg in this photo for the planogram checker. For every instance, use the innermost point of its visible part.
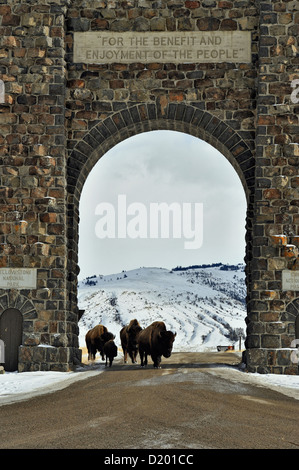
(132, 354)
(89, 354)
(141, 353)
(134, 357)
(156, 361)
(141, 358)
(89, 350)
(101, 351)
(93, 352)
(125, 355)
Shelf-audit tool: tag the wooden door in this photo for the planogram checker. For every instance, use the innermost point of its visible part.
(11, 329)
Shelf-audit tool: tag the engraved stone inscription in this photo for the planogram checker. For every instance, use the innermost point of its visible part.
(177, 47)
(290, 280)
(18, 278)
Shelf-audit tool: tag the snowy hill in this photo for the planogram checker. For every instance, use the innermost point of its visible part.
(203, 305)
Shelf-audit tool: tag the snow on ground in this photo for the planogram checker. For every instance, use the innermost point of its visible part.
(203, 306)
(16, 387)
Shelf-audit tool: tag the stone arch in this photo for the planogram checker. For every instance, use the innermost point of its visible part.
(137, 119)
(13, 299)
(147, 117)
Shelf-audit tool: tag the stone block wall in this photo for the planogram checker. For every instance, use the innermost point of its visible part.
(33, 186)
(271, 329)
(60, 117)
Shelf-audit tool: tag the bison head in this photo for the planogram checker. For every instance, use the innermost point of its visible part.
(167, 338)
(107, 336)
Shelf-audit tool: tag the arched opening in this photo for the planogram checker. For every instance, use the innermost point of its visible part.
(164, 167)
(136, 120)
(11, 330)
(160, 167)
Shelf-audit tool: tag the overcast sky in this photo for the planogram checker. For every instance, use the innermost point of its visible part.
(156, 167)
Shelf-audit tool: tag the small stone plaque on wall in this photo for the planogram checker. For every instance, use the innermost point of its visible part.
(92, 47)
(290, 280)
(18, 278)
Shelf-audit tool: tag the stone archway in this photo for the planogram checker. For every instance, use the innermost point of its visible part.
(139, 119)
(11, 329)
(61, 113)
(15, 304)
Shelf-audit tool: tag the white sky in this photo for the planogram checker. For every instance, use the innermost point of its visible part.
(163, 166)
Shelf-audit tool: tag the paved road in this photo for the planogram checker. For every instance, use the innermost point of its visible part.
(184, 405)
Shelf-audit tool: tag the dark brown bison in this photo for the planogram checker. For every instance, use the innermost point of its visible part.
(128, 337)
(155, 341)
(110, 350)
(95, 340)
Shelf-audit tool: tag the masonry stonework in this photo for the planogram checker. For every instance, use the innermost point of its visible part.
(61, 116)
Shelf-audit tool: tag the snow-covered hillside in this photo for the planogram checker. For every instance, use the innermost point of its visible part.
(204, 305)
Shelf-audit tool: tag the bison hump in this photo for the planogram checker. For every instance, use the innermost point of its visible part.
(160, 325)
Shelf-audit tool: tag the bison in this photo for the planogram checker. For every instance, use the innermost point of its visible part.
(128, 337)
(95, 340)
(156, 341)
(110, 350)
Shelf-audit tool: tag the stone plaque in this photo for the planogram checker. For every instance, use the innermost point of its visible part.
(94, 47)
(18, 278)
(290, 280)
